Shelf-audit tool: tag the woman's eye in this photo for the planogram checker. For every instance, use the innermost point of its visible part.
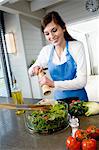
(54, 30)
(46, 33)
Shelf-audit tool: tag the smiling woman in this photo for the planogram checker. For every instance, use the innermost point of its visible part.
(65, 58)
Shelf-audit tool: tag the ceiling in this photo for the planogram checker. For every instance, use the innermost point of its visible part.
(31, 8)
(35, 8)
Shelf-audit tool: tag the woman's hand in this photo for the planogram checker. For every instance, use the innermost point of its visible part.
(46, 81)
(35, 70)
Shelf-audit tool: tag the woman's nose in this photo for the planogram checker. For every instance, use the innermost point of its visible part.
(52, 35)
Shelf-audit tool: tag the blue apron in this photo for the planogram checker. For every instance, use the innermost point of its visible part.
(66, 71)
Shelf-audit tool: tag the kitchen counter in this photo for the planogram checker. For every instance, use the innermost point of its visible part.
(15, 136)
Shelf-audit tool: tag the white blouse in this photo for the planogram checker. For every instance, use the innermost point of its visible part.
(76, 49)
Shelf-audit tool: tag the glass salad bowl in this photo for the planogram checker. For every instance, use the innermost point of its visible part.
(50, 121)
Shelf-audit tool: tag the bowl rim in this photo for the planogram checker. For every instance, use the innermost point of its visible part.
(31, 130)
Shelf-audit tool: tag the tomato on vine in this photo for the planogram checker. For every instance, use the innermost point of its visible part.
(89, 144)
(72, 143)
(80, 134)
(93, 131)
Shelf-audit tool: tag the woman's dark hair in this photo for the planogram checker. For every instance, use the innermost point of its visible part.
(54, 16)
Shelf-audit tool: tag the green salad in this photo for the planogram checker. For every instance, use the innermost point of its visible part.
(48, 121)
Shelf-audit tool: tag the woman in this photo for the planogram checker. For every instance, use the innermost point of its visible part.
(65, 59)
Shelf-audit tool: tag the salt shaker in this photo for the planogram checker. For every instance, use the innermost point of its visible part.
(74, 123)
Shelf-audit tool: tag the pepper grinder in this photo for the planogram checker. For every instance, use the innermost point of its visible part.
(74, 123)
(45, 88)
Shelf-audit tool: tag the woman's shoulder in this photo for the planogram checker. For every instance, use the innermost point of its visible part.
(76, 48)
(47, 47)
(46, 50)
(75, 43)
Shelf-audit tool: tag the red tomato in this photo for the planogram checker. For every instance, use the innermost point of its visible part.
(89, 144)
(97, 131)
(72, 143)
(73, 101)
(80, 134)
(93, 131)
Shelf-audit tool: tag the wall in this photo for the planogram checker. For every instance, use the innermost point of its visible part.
(29, 41)
(18, 60)
(32, 39)
(33, 42)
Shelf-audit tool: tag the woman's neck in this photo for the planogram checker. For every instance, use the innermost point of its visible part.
(60, 48)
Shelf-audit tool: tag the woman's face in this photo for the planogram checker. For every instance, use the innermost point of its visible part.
(54, 34)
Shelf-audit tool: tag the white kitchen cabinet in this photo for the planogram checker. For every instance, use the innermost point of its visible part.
(92, 87)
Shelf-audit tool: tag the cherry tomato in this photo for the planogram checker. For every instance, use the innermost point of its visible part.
(80, 134)
(73, 101)
(93, 131)
(89, 144)
(72, 143)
